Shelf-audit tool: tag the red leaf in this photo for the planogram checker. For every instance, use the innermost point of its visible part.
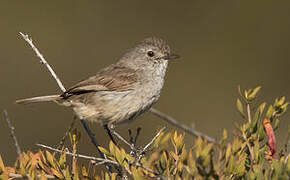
(271, 136)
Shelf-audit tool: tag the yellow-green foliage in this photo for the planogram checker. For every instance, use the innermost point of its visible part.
(247, 156)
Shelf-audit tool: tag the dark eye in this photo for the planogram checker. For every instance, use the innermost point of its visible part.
(150, 53)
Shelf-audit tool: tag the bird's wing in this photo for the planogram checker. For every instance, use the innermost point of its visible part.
(112, 78)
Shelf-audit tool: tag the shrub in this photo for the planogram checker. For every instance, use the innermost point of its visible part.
(251, 154)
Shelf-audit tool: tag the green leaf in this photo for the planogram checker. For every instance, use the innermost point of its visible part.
(276, 124)
(50, 159)
(288, 166)
(224, 139)
(279, 102)
(259, 112)
(57, 173)
(236, 145)
(253, 94)
(103, 150)
(62, 160)
(241, 168)
(240, 108)
(247, 92)
(84, 171)
(261, 133)
(256, 150)
(231, 164)
(270, 112)
(107, 176)
(228, 152)
(137, 174)
(2, 167)
(284, 106)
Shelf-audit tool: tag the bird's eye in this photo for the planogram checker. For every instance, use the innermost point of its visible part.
(150, 53)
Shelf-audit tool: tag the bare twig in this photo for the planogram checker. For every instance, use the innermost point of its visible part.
(122, 139)
(249, 113)
(152, 140)
(19, 176)
(99, 161)
(174, 122)
(42, 60)
(251, 150)
(138, 153)
(12, 133)
(78, 155)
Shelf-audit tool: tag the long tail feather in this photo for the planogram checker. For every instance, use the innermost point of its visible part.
(39, 99)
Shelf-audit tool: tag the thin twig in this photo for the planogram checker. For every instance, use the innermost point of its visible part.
(122, 139)
(152, 140)
(249, 113)
(138, 153)
(42, 60)
(174, 122)
(19, 176)
(78, 155)
(141, 153)
(249, 147)
(12, 133)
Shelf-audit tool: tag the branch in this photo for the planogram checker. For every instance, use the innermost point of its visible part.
(152, 140)
(251, 150)
(174, 122)
(94, 159)
(42, 60)
(16, 176)
(79, 155)
(137, 152)
(122, 139)
(249, 113)
(12, 133)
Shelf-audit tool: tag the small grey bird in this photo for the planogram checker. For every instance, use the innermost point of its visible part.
(122, 91)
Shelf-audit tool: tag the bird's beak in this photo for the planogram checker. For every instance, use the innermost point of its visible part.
(171, 56)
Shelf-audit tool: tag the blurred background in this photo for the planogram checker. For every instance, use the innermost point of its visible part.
(222, 44)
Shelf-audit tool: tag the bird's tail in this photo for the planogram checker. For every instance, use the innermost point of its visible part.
(39, 99)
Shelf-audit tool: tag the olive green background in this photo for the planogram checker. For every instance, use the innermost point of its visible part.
(222, 44)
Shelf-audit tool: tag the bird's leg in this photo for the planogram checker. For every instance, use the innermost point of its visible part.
(95, 142)
(109, 131)
(137, 135)
(92, 137)
(133, 140)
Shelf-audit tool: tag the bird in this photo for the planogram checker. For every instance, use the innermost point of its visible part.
(120, 92)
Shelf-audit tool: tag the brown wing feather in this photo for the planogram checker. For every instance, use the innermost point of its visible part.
(112, 78)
